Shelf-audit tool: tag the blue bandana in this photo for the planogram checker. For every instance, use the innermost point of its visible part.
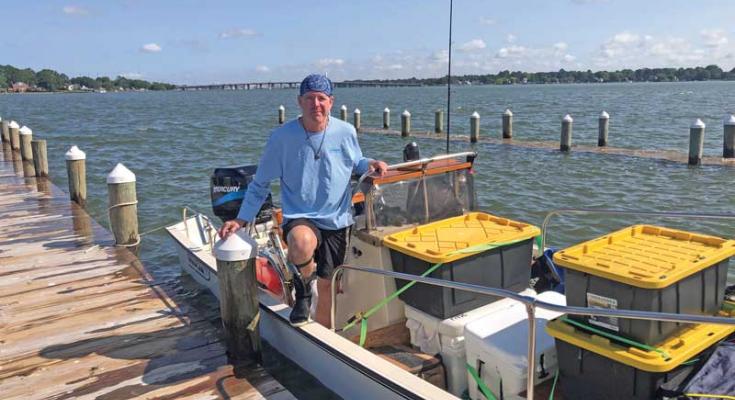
(316, 83)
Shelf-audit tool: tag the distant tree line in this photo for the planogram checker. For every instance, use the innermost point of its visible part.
(710, 72)
(50, 80)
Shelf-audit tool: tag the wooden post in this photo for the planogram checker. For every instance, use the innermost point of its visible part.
(123, 204)
(696, 142)
(281, 114)
(566, 133)
(438, 121)
(474, 127)
(405, 123)
(14, 135)
(343, 113)
(40, 159)
(238, 295)
(603, 127)
(5, 131)
(77, 171)
(26, 153)
(507, 124)
(728, 144)
(386, 118)
(357, 119)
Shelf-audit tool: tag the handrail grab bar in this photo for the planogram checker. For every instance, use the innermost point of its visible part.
(531, 304)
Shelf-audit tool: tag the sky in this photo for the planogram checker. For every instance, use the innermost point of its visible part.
(199, 42)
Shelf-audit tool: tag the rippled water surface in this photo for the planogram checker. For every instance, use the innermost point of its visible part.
(173, 140)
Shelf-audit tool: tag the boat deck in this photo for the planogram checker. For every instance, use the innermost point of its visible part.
(80, 318)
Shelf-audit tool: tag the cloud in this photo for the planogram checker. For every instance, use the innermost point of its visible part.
(75, 10)
(714, 38)
(441, 56)
(151, 48)
(238, 33)
(511, 51)
(262, 68)
(510, 38)
(472, 45)
(131, 75)
(560, 47)
(329, 62)
(487, 21)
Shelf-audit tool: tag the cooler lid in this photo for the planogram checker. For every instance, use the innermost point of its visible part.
(455, 238)
(646, 256)
(677, 348)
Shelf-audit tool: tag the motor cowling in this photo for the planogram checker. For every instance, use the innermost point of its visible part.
(227, 188)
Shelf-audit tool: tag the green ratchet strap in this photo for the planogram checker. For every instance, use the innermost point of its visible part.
(621, 339)
(483, 387)
(539, 243)
(553, 385)
(362, 317)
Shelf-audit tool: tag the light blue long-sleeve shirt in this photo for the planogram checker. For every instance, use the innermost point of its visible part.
(317, 189)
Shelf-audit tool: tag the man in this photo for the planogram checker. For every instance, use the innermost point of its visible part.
(314, 157)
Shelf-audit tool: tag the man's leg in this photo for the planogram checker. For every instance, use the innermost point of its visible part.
(324, 302)
(302, 243)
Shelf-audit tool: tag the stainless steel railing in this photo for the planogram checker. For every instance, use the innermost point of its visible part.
(531, 304)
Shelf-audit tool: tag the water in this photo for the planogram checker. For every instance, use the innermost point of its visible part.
(173, 140)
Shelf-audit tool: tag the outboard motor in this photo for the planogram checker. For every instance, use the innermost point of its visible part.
(411, 152)
(228, 186)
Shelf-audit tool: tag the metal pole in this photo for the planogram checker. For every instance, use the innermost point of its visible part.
(531, 372)
(449, 74)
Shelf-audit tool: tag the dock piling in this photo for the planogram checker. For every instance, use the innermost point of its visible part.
(405, 123)
(507, 124)
(5, 131)
(566, 133)
(14, 135)
(438, 121)
(474, 127)
(123, 206)
(343, 113)
(76, 170)
(281, 114)
(603, 128)
(26, 153)
(238, 297)
(386, 118)
(696, 142)
(40, 158)
(728, 143)
(357, 119)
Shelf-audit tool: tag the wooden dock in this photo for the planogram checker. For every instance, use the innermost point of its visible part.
(82, 319)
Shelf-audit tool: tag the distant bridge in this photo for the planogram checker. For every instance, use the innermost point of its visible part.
(286, 85)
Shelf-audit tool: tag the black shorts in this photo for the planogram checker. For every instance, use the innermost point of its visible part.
(331, 245)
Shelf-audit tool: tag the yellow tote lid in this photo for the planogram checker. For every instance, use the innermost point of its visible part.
(455, 238)
(646, 256)
(679, 348)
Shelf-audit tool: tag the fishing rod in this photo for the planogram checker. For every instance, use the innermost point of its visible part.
(449, 74)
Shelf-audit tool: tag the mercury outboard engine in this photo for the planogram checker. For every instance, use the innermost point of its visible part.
(411, 152)
(228, 186)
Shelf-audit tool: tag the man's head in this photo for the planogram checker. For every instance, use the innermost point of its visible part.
(315, 99)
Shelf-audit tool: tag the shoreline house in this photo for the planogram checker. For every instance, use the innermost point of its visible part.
(19, 87)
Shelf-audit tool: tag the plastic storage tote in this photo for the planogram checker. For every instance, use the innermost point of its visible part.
(592, 367)
(497, 347)
(446, 337)
(475, 248)
(647, 268)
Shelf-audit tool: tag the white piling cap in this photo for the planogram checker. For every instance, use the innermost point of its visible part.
(13, 124)
(567, 118)
(344, 107)
(730, 120)
(386, 109)
(282, 108)
(237, 247)
(75, 154)
(508, 112)
(604, 115)
(475, 115)
(120, 174)
(25, 130)
(698, 124)
(406, 113)
(357, 111)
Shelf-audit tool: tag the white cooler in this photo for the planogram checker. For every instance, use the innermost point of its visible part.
(497, 347)
(446, 337)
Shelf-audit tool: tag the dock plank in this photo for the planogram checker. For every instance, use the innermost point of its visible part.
(82, 319)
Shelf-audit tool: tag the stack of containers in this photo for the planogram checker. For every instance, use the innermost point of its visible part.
(646, 268)
(475, 248)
